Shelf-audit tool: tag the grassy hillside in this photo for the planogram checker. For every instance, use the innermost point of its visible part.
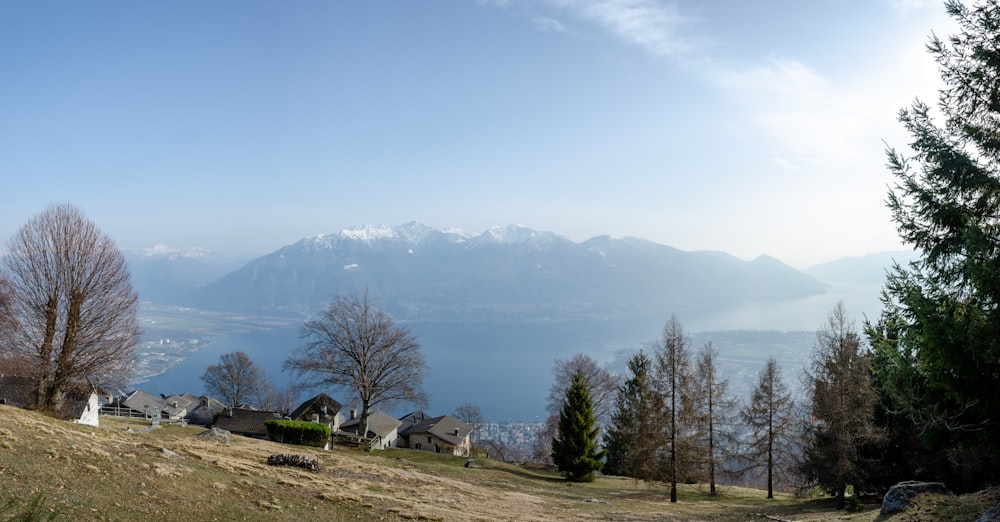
(112, 473)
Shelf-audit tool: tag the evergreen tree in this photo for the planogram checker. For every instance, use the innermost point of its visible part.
(946, 205)
(575, 451)
(843, 402)
(770, 418)
(635, 434)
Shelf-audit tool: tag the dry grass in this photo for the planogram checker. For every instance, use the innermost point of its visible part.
(109, 473)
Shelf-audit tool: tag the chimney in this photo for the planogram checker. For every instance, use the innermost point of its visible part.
(456, 432)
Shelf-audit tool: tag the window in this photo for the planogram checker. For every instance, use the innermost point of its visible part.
(429, 440)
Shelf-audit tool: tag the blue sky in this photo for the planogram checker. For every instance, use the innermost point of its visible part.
(241, 126)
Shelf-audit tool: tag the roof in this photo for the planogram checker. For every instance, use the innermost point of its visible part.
(322, 404)
(18, 391)
(245, 422)
(445, 427)
(379, 423)
(410, 420)
(143, 401)
(184, 401)
(204, 411)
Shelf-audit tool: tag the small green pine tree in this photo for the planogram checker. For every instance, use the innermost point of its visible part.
(575, 451)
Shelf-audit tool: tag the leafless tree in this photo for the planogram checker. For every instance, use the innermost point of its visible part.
(236, 380)
(356, 346)
(471, 415)
(603, 385)
(713, 408)
(673, 381)
(73, 308)
(769, 415)
(541, 451)
(273, 398)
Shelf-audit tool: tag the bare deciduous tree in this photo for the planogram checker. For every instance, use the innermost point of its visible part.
(470, 414)
(356, 346)
(602, 385)
(770, 417)
(73, 308)
(713, 406)
(673, 381)
(272, 398)
(236, 379)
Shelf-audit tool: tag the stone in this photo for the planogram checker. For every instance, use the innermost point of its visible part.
(217, 434)
(991, 515)
(899, 496)
(169, 454)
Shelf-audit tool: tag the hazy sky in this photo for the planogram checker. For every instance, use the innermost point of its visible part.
(242, 126)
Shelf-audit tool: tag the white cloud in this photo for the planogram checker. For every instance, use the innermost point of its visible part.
(549, 24)
(651, 25)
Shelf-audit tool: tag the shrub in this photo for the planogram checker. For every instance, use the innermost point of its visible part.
(302, 433)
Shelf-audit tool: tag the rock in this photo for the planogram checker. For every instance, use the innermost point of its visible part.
(471, 463)
(991, 515)
(217, 434)
(898, 496)
(169, 454)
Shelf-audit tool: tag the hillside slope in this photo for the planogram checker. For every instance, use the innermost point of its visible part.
(119, 472)
(109, 473)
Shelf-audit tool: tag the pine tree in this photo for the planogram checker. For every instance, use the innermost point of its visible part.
(843, 402)
(946, 205)
(635, 434)
(575, 451)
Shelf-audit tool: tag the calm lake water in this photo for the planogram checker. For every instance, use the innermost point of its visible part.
(506, 368)
(503, 368)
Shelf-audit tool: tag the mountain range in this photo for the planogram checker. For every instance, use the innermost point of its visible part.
(505, 273)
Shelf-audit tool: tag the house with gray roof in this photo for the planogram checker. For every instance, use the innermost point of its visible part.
(249, 423)
(139, 403)
(322, 409)
(382, 429)
(79, 406)
(444, 434)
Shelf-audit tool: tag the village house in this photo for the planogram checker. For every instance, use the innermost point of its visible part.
(79, 406)
(382, 430)
(139, 404)
(245, 422)
(443, 434)
(175, 408)
(322, 409)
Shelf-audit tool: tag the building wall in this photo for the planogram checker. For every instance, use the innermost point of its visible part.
(91, 413)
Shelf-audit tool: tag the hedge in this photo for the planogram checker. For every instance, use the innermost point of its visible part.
(303, 433)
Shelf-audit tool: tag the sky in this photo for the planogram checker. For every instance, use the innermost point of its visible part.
(242, 126)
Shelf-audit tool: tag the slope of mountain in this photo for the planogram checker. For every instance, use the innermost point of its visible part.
(168, 275)
(868, 269)
(505, 273)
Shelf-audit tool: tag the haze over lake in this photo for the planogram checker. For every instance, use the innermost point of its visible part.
(506, 368)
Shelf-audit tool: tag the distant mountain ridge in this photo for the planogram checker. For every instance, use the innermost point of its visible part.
(505, 273)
